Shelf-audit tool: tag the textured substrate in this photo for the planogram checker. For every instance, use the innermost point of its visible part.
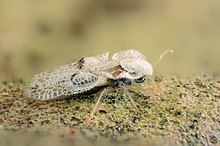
(177, 110)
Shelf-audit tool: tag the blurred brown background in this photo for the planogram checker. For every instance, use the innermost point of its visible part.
(37, 35)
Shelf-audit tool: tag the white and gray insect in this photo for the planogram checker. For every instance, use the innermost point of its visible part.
(90, 73)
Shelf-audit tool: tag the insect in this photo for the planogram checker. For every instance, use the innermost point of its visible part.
(90, 74)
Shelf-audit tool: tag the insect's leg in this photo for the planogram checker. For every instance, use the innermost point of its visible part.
(87, 121)
(131, 100)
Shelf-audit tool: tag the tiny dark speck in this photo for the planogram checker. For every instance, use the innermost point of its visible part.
(71, 78)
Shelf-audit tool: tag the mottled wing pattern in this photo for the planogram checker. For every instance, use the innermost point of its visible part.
(128, 54)
(70, 84)
(71, 79)
(103, 57)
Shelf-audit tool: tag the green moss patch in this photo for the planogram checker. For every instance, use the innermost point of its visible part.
(175, 109)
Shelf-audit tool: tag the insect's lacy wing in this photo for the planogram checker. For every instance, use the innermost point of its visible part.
(128, 54)
(93, 62)
(70, 79)
(64, 85)
(102, 57)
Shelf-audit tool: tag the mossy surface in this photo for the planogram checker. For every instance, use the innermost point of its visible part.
(178, 110)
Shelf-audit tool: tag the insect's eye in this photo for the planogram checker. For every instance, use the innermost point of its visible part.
(140, 80)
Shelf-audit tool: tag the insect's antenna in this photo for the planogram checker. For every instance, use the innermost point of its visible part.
(162, 56)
